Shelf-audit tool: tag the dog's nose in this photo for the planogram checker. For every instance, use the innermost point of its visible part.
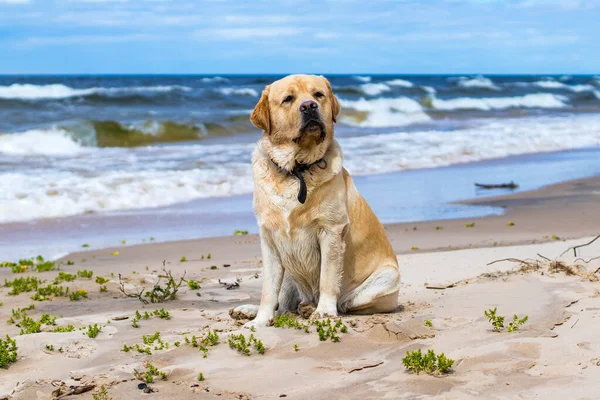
(308, 106)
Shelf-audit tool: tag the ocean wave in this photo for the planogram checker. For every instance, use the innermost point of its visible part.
(51, 142)
(381, 112)
(400, 82)
(59, 91)
(214, 79)
(74, 139)
(374, 89)
(121, 179)
(478, 82)
(550, 84)
(536, 100)
(238, 92)
(362, 78)
(62, 194)
(502, 138)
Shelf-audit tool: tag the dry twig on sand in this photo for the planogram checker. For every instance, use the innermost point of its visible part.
(555, 265)
(574, 248)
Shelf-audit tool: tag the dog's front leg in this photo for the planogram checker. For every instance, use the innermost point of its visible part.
(272, 279)
(332, 245)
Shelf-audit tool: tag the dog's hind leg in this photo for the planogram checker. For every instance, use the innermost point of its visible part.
(377, 294)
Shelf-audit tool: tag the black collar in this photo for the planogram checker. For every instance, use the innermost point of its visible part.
(298, 170)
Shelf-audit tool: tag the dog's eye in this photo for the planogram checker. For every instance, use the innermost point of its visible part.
(318, 95)
(288, 99)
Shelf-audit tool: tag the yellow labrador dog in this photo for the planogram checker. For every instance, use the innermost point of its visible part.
(321, 243)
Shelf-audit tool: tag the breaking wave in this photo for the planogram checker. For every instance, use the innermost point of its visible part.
(362, 78)
(400, 83)
(379, 113)
(59, 91)
(537, 100)
(239, 92)
(478, 82)
(55, 142)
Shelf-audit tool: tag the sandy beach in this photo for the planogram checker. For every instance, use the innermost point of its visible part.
(447, 279)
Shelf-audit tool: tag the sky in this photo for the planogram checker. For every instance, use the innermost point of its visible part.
(332, 37)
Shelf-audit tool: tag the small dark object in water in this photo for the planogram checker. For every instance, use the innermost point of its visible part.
(142, 386)
(510, 185)
(226, 265)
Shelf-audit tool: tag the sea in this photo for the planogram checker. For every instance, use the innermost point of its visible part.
(102, 159)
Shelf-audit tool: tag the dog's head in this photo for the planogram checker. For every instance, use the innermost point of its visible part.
(297, 114)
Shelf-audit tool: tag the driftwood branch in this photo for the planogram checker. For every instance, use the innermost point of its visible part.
(73, 390)
(510, 185)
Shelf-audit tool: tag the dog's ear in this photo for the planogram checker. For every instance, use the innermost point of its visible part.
(260, 115)
(335, 104)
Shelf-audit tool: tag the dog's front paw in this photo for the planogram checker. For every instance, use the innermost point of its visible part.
(247, 311)
(324, 313)
(257, 323)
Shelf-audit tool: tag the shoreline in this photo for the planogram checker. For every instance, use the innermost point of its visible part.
(425, 195)
(537, 216)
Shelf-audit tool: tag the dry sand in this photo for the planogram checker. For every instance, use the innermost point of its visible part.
(555, 355)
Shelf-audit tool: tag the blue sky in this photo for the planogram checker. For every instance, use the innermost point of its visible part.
(343, 36)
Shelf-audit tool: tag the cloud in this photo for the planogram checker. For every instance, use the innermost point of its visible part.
(87, 39)
(98, 1)
(246, 33)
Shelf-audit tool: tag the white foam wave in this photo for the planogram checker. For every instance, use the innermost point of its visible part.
(386, 112)
(67, 194)
(39, 142)
(428, 149)
(374, 89)
(362, 78)
(59, 91)
(214, 79)
(400, 82)
(536, 100)
(555, 85)
(479, 82)
(239, 92)
(597, 94)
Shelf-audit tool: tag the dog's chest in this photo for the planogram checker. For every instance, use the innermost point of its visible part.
(295, 236)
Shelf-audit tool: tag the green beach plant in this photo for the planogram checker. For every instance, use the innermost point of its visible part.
(497, 321)
(93, 331)
(430, 363)
(516, 323)
(8, 352)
